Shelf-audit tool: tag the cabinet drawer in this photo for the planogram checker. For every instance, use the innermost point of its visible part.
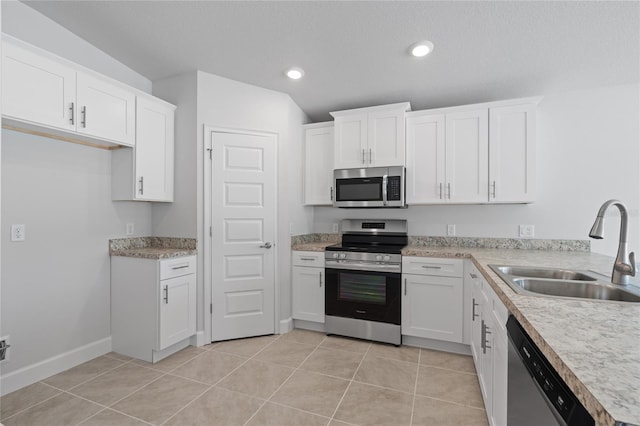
(177, 267)
(308, 258)
(432, 266)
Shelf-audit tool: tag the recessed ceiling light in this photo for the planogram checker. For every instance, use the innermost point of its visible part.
(421, 48)
(295, 73)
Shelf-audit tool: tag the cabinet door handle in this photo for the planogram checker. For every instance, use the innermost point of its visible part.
(493, 185)
(486, 331)
(405, 286)
(473, 309)
(320, 280)
(180, 267)
(141, 180)
(482, 337)
(362, 155)
(370, 155)
(474, 276)
(440, 190)
(166, 294)
(449, 190)
(331, 196)
(72, 109)
(84, 117)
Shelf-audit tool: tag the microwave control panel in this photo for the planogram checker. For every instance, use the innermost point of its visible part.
(394, 190)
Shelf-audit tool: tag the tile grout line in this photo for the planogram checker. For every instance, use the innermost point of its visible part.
(220, 380)
(285, 381)
(333, 416)
(415, 388)
(33, 405)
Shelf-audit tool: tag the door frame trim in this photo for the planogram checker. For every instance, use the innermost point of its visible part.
(207, 298)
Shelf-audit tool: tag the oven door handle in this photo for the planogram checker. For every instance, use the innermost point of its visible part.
(385, 181)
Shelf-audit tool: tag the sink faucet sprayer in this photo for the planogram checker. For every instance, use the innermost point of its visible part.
(624, 266)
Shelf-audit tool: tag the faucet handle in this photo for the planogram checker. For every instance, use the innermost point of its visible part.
(632, 259)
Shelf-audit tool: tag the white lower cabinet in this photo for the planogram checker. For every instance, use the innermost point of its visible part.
(489, 345)
(153, 305)
(307, 280)
(432, 298)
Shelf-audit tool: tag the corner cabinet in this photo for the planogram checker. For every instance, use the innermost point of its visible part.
(153, 305)
(489, 345)
(432, 301)
(472, 154)
(307, 281)
(370, 137)
(145, 172)
(318, 164)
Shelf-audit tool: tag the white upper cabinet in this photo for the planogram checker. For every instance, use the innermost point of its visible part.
(370, 137)
(105, 110)
(145, 172)
(36, 89)
(318, 164)
(472, 154)
(512, 153)
(467, 156)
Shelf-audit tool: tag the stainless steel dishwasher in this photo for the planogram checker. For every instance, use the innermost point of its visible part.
(536, 394)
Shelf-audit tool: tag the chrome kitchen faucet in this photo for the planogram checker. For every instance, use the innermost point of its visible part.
(624, 266)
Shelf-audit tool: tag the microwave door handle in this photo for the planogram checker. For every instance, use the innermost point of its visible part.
(385, 180)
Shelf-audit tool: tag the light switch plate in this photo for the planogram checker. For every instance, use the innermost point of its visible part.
(130, 228)
(526, 231)
(451, 230)
(335, 228)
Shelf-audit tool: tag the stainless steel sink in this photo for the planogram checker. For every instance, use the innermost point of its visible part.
(558, 282)
(556, 274)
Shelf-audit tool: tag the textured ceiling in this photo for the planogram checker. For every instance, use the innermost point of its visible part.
(355, 53)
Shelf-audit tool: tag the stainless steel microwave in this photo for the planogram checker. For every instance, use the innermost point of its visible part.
(370, 187)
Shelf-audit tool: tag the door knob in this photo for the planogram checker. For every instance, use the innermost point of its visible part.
(266, 245)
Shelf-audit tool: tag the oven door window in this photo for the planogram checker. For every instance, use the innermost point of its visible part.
(359, 189)
(374, 296)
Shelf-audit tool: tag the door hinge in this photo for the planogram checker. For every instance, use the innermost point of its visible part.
(211, 308)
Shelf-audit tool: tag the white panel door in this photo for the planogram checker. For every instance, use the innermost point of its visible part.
(351, 150)
(154, 150)
(105, 111)
(307, 293)
(467, 156)
(512, 174)
(318, 166)
(432, 307)
(425, 159)
(177, 310)
(386, 138)
(36, 89)
(243, 177)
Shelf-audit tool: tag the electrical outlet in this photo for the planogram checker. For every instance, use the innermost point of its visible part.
(129, 229)
(451, 230)
(291, 228)
(4, 349)
(18, 232)
(526, 231)
(335, 228)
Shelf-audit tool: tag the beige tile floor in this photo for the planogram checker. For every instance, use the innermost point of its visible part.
(300, 378)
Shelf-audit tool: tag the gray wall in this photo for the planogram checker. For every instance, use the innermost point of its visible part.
(55, 285)
(587, 153)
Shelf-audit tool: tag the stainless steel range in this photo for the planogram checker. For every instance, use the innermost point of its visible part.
(363, 280)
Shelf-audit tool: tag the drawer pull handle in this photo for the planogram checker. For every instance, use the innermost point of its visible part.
(180, 267)
(72, 109)
(307, 258)
(474, 276)
(431, 267)
(166, 294)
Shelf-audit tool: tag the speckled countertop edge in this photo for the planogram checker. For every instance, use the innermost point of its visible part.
(594, 346)
(152, 247)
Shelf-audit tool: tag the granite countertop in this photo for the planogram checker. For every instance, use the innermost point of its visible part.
(152, 247)
(313, 246)
(594, 345)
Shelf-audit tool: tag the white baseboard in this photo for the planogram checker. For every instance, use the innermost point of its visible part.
(41, 370)
(198, 339)
(438, 345)
(309, 325)
(286, 325)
